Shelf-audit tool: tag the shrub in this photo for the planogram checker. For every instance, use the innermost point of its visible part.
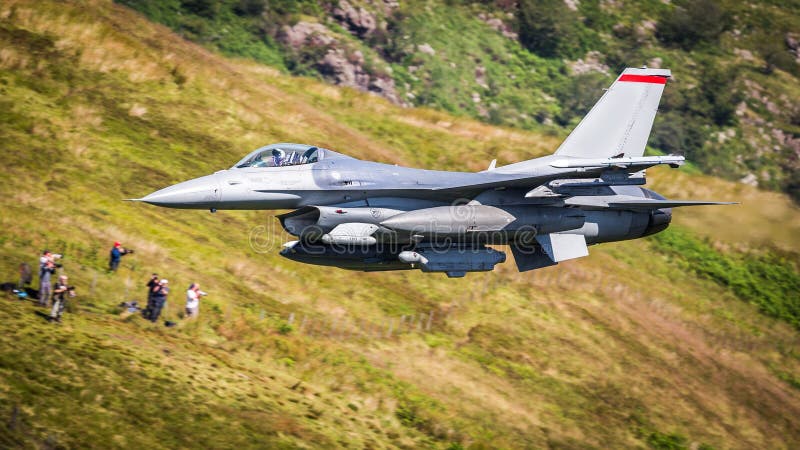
(548, 28)
(770, 280)
(663, 441)
(699, 21)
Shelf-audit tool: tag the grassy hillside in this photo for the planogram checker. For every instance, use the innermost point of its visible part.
(732, 106)
(643, 344)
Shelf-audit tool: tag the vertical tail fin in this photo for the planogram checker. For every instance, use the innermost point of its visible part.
(620, 122)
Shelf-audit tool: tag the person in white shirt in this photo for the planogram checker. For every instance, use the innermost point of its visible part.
(193, 300)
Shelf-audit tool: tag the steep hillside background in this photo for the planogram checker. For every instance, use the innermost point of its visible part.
(684, 340)
(733, 106)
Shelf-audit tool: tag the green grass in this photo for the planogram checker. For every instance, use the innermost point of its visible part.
(769, 280)
(607, 351)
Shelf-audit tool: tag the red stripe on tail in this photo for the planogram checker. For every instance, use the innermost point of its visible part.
(644, 79)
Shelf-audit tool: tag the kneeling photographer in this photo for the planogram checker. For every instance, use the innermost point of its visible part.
(61, 292)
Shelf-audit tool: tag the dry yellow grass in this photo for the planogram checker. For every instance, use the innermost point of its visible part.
(761, 218)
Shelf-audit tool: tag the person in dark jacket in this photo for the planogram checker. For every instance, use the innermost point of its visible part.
(151, 285)
(160, 293)
(115, 256)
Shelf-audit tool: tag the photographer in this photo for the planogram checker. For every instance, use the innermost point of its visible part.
(151, 285)
(47, 267)
(59, 300)
(160, 293)
(193, 295)
(115, 256)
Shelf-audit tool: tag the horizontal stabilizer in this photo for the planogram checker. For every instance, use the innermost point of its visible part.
(639, 162)
(561, 247)
(631, 202)
(530, 258)
(658, 204)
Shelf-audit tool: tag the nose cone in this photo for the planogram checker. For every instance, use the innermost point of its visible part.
(200, 193)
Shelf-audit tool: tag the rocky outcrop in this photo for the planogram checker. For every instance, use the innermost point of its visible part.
(572, 4)
(343, 69)
(335, 61)
(480, 77)
(498, 25)
(787, 141)
(347, 69)
(358, 21)
(592, 62)
(426, 49)
(305, 34)
(793, 42)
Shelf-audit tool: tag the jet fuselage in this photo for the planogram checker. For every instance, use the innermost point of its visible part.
(371, 216)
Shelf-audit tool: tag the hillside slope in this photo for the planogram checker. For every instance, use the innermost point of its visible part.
(642, 344)
(733, 106)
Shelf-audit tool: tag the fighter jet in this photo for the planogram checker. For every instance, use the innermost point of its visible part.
(369, 216)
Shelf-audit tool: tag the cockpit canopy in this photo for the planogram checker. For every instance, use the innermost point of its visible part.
(281, 155)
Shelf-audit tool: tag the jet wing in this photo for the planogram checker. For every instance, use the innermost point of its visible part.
(549, 168)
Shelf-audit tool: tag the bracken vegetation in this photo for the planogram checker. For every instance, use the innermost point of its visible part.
(768, 280)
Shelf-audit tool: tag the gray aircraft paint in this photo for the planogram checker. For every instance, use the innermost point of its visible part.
(364, 215)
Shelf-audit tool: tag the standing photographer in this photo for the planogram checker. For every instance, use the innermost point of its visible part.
(115, 256)
(193, 295)
(160, 293)
(151, 285)
(47, 267)
(61, 289)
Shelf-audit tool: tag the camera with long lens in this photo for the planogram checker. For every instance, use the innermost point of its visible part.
(70, 291)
